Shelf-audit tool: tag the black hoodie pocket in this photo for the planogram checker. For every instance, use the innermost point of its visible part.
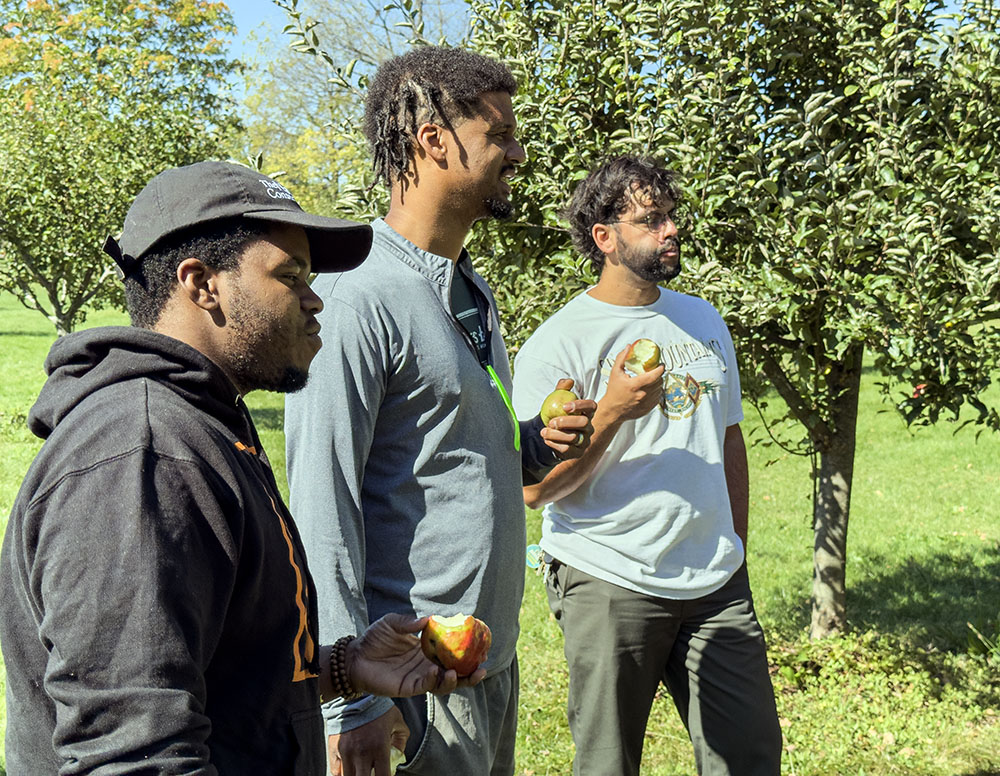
(308, 730)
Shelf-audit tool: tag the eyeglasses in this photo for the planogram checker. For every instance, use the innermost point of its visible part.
(654, 221)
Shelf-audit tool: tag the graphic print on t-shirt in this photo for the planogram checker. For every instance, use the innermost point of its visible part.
(682, 392)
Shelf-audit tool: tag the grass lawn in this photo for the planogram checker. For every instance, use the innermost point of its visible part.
(902, 693)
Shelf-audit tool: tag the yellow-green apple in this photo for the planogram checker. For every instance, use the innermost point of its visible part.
(552, 407)
(460, 642)
(642, 356)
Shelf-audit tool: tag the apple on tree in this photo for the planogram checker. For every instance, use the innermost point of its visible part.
(643, 356)
(552, 406)
(460, 642)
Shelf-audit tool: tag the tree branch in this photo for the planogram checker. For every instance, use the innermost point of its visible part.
(819, 431)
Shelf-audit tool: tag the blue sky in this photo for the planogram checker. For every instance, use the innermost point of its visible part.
(255, 16)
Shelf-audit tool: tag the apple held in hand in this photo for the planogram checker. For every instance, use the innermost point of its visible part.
(460, 642)
(642, 356)
(552, 407)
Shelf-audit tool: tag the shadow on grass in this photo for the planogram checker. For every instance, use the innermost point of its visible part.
(927, 600)
(924, 601)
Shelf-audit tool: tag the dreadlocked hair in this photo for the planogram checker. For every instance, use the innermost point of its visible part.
(428, 84)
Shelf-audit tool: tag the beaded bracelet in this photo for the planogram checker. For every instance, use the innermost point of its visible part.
(338, 670)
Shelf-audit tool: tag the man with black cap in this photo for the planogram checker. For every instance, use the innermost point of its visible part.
(158, 615)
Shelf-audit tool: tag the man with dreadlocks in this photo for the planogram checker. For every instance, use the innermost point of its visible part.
(420, 510)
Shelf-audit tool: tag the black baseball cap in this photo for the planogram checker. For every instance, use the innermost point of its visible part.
(182, 197)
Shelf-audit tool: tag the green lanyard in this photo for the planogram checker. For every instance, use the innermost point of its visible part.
(510, 407)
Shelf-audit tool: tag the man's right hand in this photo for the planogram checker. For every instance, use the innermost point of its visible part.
(631, 396)
(387, 660)
(364, 751)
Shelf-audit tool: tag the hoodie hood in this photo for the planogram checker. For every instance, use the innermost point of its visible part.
(83, 363)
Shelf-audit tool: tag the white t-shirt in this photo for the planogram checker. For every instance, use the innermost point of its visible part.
(655, 515)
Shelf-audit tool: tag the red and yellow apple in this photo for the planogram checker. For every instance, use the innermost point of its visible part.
(643, 355)
(552, 407)
(460, 642)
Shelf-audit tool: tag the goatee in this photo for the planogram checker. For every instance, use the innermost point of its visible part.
(499, 208)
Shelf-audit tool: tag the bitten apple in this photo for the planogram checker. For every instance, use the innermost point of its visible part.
(552, 407)
(642, 356)
(460, 642)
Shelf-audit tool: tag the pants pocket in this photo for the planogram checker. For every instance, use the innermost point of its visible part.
(555, 588)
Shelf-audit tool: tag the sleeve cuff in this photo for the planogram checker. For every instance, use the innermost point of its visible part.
(341, 717)
(536, 456)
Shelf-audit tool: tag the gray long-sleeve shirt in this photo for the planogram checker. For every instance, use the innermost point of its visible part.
(402, 469)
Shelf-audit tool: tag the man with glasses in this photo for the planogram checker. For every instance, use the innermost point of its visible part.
(645, 534)
(404, 457)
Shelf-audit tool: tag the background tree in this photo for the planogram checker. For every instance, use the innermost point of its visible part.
(840, 170)
(303, 113)
(96, 97)
(840, 173)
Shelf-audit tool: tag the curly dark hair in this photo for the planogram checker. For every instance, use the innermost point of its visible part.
(428, 84)
(606, 193)
(219, 245)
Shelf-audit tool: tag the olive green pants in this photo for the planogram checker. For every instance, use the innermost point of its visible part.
(709, 652)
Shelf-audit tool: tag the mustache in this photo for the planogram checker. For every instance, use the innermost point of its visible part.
(671, 244)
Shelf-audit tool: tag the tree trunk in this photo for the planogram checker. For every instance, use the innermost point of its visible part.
(832, 500)
(63, 324)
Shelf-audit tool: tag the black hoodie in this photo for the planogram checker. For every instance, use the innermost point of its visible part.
(157, 615)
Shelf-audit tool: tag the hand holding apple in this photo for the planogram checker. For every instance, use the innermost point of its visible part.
(630, 397)
(567, 421)
(460, 643)
(642, 356)
(554, 405)
(387, 660)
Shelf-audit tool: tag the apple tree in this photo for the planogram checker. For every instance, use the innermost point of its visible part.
(840, 170)
(305, 96)
(96, 97)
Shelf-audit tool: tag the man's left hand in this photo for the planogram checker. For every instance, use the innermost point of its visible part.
(569, 435)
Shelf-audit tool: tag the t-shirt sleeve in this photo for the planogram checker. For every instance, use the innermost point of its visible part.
(534, 379)
(734, 399)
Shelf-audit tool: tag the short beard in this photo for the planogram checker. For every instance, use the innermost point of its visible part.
(257, 355)
(647, 265)
(294, 379)
(248, 374)
(501, 209)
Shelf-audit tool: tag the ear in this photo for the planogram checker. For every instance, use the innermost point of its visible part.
(198, 283)
(605, 238)
(432, 141)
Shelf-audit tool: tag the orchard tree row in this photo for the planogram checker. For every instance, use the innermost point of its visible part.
(842, 182)
(95, 98)
(838, 160)
(842, 191)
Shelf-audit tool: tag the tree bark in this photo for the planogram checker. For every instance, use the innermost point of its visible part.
(832, 501)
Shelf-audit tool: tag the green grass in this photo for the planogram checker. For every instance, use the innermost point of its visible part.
(902, 693)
